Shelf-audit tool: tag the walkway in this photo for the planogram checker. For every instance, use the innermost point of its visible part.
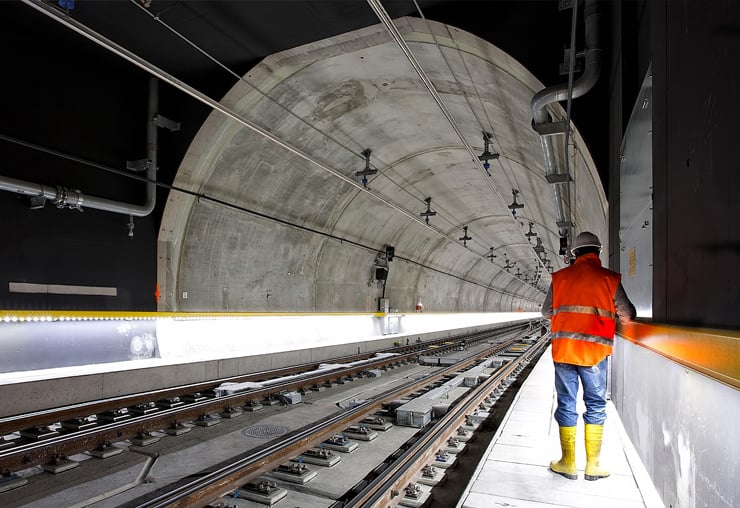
(515, 470)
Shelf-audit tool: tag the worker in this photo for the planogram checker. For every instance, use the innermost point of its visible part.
(583, 304)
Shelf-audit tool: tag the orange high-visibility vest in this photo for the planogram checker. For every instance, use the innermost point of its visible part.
(583, 313)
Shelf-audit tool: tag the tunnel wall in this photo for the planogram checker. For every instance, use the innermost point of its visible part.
(683, 425)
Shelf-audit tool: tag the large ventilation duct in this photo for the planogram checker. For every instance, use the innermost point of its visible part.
(72, 198)
(558, 175)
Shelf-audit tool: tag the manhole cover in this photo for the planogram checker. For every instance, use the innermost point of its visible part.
(264, 431)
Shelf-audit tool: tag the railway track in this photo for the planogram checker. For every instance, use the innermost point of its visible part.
(259, 461)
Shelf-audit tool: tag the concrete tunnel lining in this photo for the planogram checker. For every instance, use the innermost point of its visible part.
(230, 163)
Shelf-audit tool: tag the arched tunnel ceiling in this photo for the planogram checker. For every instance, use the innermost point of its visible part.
(267, 229)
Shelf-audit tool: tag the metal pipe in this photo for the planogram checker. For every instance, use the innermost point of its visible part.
(557, 93)
(560, 92)
(72, 198)
(127, 55)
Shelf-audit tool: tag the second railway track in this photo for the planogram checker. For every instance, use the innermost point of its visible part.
(231, 475)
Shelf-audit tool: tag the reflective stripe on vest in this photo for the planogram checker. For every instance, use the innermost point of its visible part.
(584, 316)
(582, 336)
(582, 309)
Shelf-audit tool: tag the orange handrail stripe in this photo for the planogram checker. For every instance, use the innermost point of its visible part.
(715, 353)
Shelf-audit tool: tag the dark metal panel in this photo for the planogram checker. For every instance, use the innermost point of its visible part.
(636, 203)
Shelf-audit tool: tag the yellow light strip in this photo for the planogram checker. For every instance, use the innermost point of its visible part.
(21, 316)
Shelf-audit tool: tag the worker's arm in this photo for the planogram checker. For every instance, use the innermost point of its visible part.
(547, 304)
(625, 309)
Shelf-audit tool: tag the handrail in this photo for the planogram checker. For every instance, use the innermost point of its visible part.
(714, 353)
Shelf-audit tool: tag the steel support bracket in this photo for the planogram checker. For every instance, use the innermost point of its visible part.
(551, 128)
(138, 165)
(554, 178)
(565, 4)
(166, 123)
(578, 64)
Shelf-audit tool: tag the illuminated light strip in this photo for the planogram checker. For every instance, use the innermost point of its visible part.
(61, 289)
(15, 316)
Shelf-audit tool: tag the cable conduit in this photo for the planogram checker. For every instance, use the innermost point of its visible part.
(561, 92)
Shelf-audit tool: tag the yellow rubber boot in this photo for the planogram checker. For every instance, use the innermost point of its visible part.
(594, 435)
(566, 466)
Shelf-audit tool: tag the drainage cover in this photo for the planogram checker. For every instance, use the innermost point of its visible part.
(264, 431)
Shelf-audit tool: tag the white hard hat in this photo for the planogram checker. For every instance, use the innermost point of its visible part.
(585, 239)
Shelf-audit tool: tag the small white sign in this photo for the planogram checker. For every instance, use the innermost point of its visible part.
(184, 295)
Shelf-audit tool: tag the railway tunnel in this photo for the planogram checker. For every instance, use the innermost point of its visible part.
(319, 180)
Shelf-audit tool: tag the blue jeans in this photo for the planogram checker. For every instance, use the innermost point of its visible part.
(594, 393)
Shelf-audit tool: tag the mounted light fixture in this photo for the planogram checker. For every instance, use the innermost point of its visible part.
(514, 206)
(464, 238)
(368, 171)
(487, 154)
(428, 212)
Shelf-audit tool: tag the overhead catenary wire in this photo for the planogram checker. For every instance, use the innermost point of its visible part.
(382, 14)
(539, 264)
(182, 86)
(453, 224)
(158, 18)
(196, 94)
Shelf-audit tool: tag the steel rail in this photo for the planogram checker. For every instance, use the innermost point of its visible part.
(386, 487)
(24, 455)
(10, 424)
(215, 483)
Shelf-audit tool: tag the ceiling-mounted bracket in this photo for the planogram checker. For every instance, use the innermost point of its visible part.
(578, 64)
(555, 178)
(491, 255)
(465, 238)
(551, 128)
(514, 206)
(138, 165)
(166, 123)
(428, 212)
(487, 154)
(368, 171)
(529, 234)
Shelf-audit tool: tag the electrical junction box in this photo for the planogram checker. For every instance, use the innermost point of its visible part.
(292, 398)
